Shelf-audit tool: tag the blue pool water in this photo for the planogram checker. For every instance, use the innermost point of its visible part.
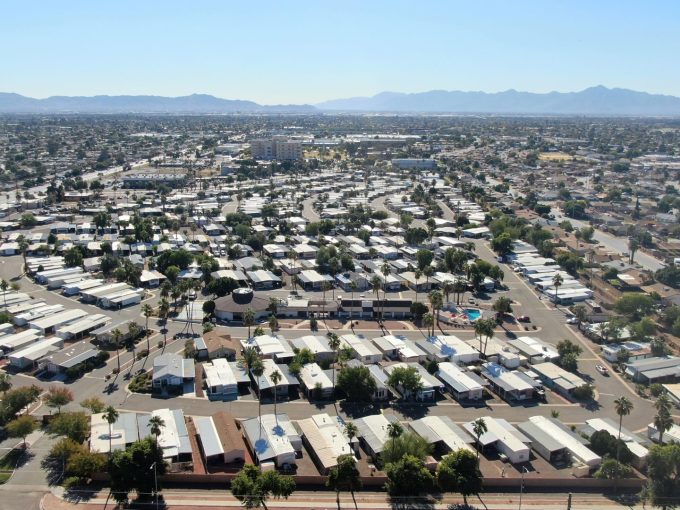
(472, 314)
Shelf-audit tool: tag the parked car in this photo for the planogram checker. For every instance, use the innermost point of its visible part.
(603, 370)
(572, 320)
(523, 318)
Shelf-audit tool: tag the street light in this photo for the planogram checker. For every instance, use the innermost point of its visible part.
(521, 487)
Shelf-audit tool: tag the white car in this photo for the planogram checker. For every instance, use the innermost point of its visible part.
(572, 320)
(603, 370)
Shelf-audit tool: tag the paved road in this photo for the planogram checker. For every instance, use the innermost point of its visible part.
(308, 211)
(615, 243)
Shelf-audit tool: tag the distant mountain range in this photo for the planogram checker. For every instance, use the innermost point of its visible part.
(195, 103)
(592, 101)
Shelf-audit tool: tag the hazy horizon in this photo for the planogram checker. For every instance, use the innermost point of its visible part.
(309, 52)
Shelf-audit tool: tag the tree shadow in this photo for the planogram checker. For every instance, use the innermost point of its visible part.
(359, 409)
(411, 503)
(412, 411)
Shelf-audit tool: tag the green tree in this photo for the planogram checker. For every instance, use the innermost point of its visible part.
(252, 487)
(408, 477)
(436, 302)
(93, 404)
(406, 443)
(634, 305)
(73, 257)
(84, 464)
(57, 397)
(663, 475)
(479, 428)
(334, 345)
(135, 468)
(147, 312)
(459, 472)
(344, 476)
(557, 282)
(111, 416)
(75, 425)
(156, 425)
(356, 383)
(623, 407)
(21, 427)
(258, 371)
(611, 469)
(407, 379)
(663, 420)
(249, 319)
(275, 377)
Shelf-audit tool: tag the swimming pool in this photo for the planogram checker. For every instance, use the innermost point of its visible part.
(472, 314)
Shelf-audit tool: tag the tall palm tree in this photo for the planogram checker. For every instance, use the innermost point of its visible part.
(351, 431)
(249, 319)
(447, 289)
(663, 420)
(163, 309)
(23, 249)
(275, 376)
(147, 311)
(417, 273)
(623, 408)
(375, 285)
(293, 256)
(353, 288)
(4, 286)
(386, 270)
(334, 344)
(156, 424)
(117, 335)
(428, 322)
(394, 430)
(557, 282)
(257, 370)
(110, 415)
(436, 301)
(479, 428)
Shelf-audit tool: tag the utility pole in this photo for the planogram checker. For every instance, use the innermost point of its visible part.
(569, 502)
(521, 487)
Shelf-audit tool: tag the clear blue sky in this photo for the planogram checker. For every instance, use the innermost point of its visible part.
(294, 51)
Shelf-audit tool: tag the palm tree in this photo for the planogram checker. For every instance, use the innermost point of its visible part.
(275, 376)
(110, 415)
(257, 370)
(633, 246)
(459, 288)
(293, 256)
(623, 408)
(557, 281)
(334, 344)
(394, 430)
(156, 423)
(249, 319)
(117, 335)
(386, 270)
(23, 248)
(436, 301)
(428, 322)
(479, 428)
(147, 311)
(4, 286)
(375, 286)
(417, 273)
(663, 420)
(447, 289)
(351, 431)
(353, 288)
(163, 309)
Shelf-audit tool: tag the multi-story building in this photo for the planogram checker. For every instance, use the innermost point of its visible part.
(278, 147)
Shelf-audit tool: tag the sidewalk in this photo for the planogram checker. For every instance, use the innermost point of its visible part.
(327, 500)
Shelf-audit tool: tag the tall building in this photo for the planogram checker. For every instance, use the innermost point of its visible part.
(278, 147)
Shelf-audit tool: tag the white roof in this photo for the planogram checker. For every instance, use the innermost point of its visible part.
(311, 375)
(325, 437)
(210, 439)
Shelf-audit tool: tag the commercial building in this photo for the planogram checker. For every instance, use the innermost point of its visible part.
(277, 147)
